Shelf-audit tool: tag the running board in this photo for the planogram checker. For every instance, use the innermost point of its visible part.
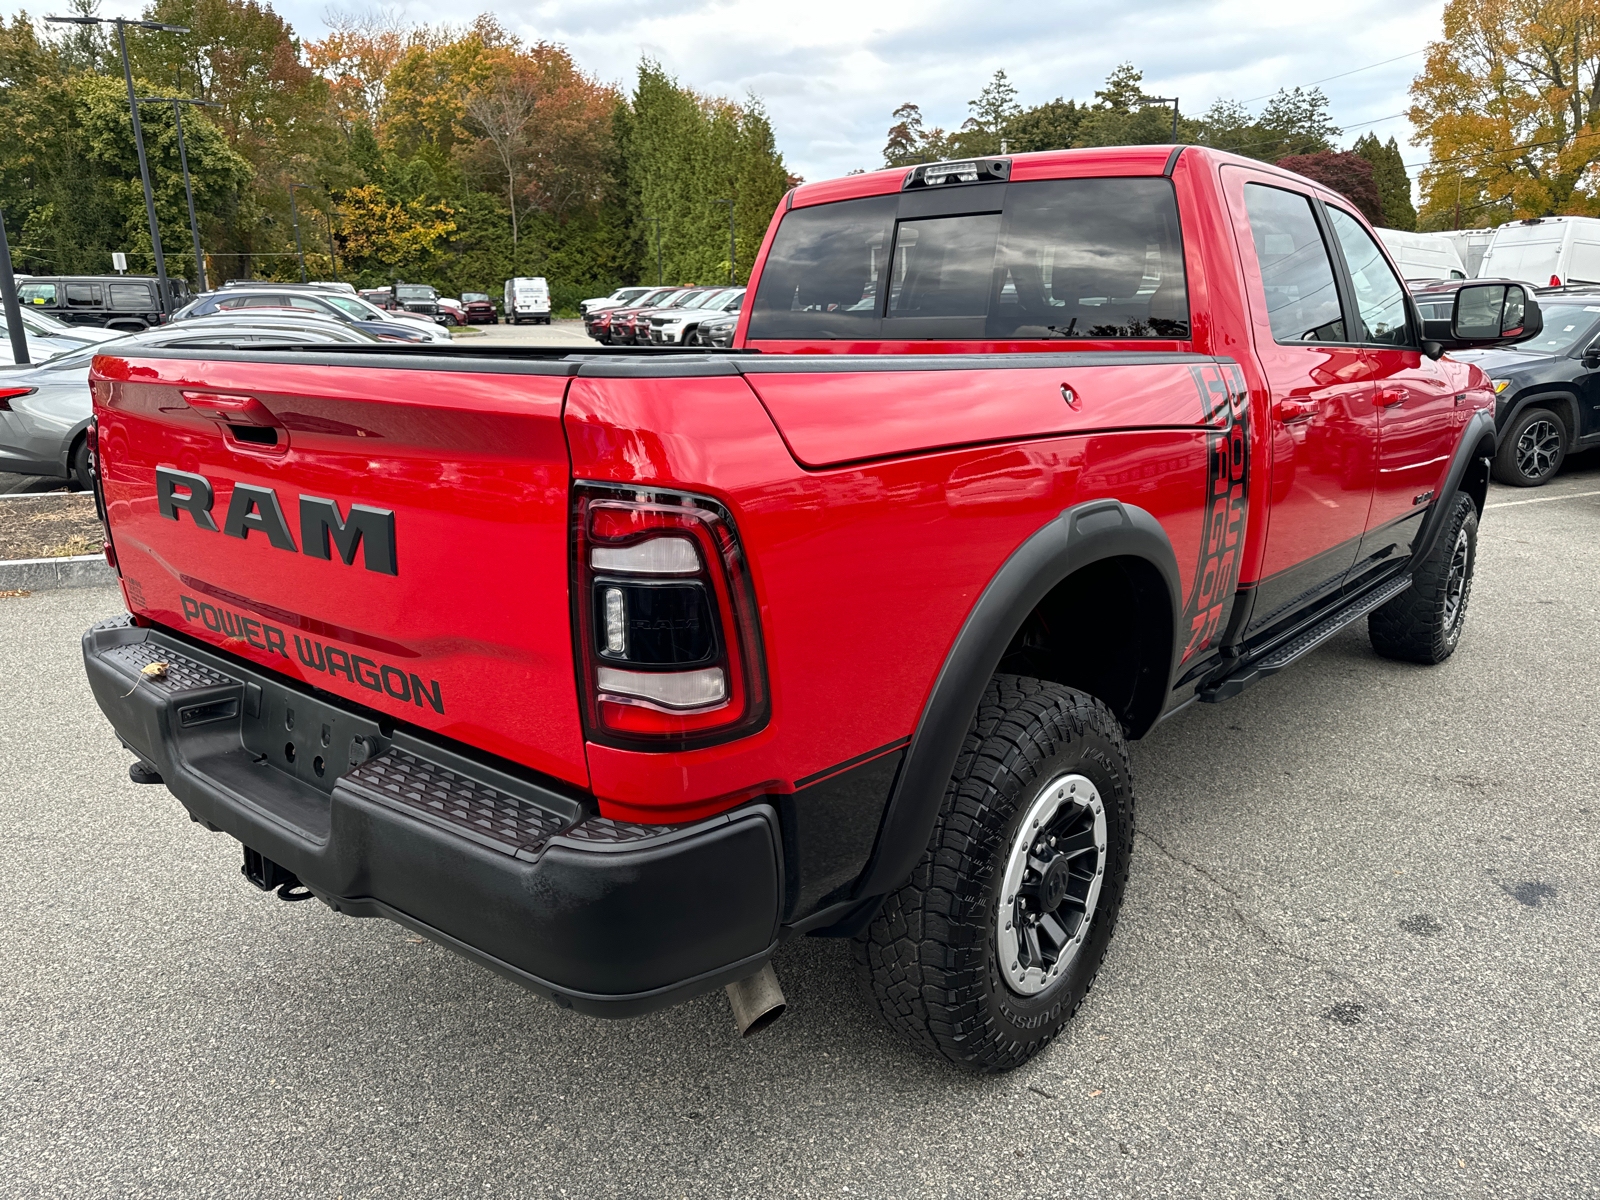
(1280, 656)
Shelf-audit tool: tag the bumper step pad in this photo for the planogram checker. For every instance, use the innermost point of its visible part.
(183, 673)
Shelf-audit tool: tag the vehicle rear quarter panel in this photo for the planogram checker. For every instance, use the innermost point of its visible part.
(864, 574)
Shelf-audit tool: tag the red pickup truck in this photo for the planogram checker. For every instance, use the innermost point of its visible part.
(614, 670)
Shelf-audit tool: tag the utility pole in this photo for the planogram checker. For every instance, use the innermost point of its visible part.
(294, 216)
(8, 300)
(656, 221)
(177, 103)
(1172, 100)
(122, 24)
(733, 267)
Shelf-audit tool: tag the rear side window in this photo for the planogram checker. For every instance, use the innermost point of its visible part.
(1296, 272)
(83, 295)
(1062, 258)
(130, 297)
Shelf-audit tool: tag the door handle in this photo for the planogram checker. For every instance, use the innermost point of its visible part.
(1389, 397)
(1291, 412)
(238, 410)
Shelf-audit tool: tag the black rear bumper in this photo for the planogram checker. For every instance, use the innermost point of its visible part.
(609, 918)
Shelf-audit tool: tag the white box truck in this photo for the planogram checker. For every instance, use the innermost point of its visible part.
(1470, 245)
(1545, 251)
(527, 300)
(1422, 256)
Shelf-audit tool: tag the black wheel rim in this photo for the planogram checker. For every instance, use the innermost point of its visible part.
(1455, 584)
(1538, 448)
(1055, 867)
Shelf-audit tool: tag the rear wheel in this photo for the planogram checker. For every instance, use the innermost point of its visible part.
(989, 949)
(1423, 623)
(80, 480)
(1532, 449)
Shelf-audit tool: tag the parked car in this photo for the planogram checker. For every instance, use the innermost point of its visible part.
(620, 298)
(451, 312)
(527, 300)
(380, 298)
(45, 407)
(678, 326)
(339, 305)
(1547, 389)
(122, 302)
(716, 331)
(419, 298)
(617, 677)
(1545, 251)
(48, 337)
(631, 326)
(479, 308)
(597, 321)
(1422, 256)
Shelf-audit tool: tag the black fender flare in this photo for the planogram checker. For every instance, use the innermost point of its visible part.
(1083, 534)
(1478, 441)
(1541, 397)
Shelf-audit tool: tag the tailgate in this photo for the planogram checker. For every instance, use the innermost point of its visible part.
(396, 536)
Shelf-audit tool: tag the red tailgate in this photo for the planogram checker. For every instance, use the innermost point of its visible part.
(463, 628)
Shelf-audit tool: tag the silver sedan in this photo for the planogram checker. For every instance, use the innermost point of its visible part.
(45, 407)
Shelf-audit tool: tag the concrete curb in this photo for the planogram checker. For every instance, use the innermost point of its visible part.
(46, 574)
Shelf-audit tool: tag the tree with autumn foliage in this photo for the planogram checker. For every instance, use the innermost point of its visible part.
(1506, 104)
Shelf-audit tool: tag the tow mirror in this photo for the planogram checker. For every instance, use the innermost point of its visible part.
(1485, 314)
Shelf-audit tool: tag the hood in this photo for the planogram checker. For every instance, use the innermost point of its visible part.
(1502, 359)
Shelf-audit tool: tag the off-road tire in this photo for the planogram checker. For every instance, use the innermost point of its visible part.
(1422, 624)
(1533, 464)
(929, 958)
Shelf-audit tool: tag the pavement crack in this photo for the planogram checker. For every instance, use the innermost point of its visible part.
(1268, 936)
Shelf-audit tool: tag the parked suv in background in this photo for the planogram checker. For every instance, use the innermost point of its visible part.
(1547, 389)
(125, 302)
(418, 298)
(717, 330)
(480, 308)
(620, 298)
(600, 320)
(678, 326)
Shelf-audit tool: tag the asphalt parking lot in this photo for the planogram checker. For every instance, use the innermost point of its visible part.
(1360, 957)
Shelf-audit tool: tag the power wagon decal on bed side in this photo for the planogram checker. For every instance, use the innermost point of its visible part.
(1225, 406)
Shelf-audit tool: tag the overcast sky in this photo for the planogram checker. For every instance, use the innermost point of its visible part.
(832, 71)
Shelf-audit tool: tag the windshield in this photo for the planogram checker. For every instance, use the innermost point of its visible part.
(1566, 327)
(414, 291)
(474, 297)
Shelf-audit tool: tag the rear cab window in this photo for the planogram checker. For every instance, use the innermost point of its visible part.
(1045, 260)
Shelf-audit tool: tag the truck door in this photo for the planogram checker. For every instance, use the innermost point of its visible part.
(1418, 424)
(1323, 426)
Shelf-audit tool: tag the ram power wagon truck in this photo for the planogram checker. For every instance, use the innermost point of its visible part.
(613, 671)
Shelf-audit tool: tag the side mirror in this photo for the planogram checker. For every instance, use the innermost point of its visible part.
(1484, 314)
(1591, 358)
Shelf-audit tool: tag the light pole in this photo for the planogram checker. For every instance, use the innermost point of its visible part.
(122, 24)
(295, 217)
(656, 221)
(177, 103)
(733, 269)
(1172, 100)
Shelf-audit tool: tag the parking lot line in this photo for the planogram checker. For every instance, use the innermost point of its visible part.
(1541, 499)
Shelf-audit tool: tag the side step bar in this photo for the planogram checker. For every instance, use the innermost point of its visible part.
(1276, 659)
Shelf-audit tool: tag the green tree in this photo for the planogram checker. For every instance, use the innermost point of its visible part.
(1394, 185)
(993, 110)
(911, 142)
(1050, 126)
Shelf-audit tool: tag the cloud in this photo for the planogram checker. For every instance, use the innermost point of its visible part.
(832, 71)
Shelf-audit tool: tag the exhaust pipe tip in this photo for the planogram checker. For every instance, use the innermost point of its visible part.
(757, 1001)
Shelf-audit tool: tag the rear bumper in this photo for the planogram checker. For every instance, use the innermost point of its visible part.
(608, 918)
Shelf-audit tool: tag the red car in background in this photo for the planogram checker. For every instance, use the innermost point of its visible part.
(602, 324)
(631, 327)
(480, 309)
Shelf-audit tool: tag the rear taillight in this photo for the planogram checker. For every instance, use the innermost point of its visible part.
(7, 395)
(667, 638)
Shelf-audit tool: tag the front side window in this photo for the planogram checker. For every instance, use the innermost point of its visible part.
(37, 293)
(1296, 272)
(1380, 297)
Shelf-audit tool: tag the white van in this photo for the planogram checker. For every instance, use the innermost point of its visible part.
(1470, 245)
(1545, 251)
(527, 300)
(1422, 255)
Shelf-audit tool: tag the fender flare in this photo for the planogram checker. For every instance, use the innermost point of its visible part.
(1083, 534)
(1540, 397)
(1478, 441)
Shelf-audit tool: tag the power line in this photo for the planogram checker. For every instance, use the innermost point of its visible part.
(1342, 74)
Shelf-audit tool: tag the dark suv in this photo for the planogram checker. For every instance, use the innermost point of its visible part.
(419, 298)
(128, 302)
(1547, 389)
